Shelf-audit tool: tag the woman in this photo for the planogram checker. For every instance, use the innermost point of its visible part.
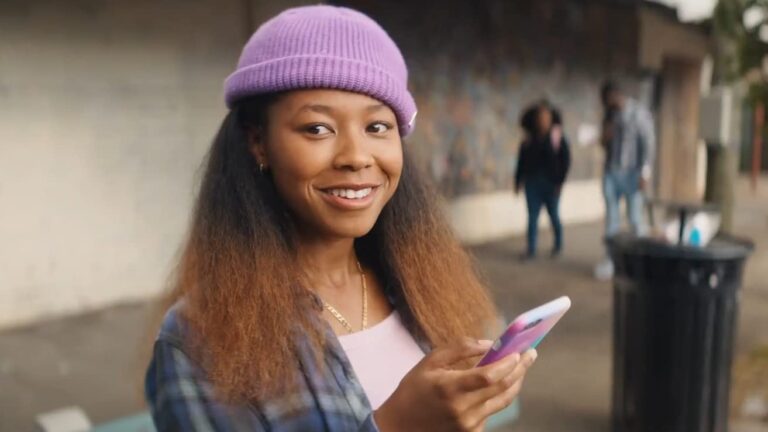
(543, 163)
(320, 288)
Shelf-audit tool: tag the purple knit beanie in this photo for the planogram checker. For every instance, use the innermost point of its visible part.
(324, 47)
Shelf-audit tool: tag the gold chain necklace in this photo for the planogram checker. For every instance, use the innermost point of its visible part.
(340, 318)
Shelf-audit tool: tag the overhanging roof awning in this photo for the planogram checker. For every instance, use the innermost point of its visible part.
(662, 35)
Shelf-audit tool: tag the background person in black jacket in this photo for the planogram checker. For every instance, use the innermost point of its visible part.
(542, 166)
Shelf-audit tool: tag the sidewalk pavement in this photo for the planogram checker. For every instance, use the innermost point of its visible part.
(94, 360)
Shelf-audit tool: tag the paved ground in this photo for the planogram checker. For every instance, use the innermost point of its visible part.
(94, 361)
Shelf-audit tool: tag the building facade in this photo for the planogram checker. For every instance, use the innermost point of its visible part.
(107, 110)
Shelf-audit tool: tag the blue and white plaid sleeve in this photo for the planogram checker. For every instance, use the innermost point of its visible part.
(180, 399)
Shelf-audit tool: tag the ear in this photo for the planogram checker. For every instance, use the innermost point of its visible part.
(257, 146)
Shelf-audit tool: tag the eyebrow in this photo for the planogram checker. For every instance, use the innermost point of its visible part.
(374, 107)
(325, 109)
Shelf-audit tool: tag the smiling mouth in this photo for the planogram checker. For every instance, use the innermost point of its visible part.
(350, 194)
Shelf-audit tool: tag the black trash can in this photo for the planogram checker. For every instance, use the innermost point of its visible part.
(675, 310)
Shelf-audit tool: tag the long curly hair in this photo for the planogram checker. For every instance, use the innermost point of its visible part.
(241, 285)
(528, 118)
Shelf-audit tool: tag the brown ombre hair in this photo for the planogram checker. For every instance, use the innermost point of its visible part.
(238, 276)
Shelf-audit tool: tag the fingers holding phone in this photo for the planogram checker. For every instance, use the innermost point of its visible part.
(437, 396)
(501, 383)
(440, 394)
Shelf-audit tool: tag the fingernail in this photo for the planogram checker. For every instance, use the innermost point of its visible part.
(516, 357)
(484, 343)
(534, 354)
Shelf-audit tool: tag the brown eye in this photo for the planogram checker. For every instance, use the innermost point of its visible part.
(378, 128)
(318, 129)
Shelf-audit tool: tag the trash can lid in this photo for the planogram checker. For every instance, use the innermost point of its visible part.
(721, 247)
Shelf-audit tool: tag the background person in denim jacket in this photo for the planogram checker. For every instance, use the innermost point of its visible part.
(629, 141)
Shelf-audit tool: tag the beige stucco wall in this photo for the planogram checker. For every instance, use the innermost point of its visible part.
(106, 110)
(484, 217)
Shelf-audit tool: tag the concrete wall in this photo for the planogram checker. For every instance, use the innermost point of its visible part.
(106, 110)
(479, 218)
(475, 66)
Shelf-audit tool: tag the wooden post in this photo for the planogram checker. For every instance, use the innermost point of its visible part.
(678, 130)
(721, 176)
(757, 142)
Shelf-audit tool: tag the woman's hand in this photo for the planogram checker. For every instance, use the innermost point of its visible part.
(435, 397)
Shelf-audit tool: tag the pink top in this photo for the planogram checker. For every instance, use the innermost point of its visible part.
(381, 356)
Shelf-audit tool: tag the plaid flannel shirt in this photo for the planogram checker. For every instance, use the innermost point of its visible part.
(328, 398)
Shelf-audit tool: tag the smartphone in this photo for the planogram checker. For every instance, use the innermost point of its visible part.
(527, 330)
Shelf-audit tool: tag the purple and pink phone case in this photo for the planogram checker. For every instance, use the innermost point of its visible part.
(527, 330)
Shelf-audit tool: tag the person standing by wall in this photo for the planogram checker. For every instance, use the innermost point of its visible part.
(543, 163)
(629, 141)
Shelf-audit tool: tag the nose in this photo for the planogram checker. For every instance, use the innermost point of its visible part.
(353, 153)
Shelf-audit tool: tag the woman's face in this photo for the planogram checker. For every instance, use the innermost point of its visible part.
(543, 120)
(335, 157)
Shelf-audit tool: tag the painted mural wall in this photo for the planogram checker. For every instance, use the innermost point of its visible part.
(475, 66)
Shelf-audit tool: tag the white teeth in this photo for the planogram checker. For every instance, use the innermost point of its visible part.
(351, 193)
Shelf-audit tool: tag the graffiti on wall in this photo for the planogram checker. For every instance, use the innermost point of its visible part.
(475, 66)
